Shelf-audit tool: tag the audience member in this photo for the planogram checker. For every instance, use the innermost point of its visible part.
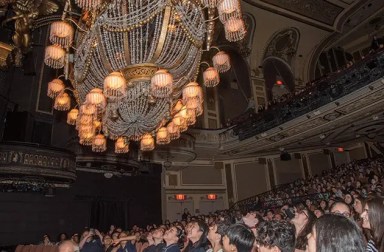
(276, 236)
(238, 238)
(335, 233)
(373, 219)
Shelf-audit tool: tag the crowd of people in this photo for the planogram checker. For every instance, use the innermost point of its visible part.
(349, 218)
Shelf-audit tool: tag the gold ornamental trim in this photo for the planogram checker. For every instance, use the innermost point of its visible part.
(163, 33)
(139, 71)
(5, 50)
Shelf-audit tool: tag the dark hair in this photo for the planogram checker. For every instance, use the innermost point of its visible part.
(338, 233)
(277, 233)
(241, 237)
(301, 240)
(376, 220)
(203, 241)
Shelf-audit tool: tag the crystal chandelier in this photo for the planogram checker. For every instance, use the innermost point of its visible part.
(133, 66)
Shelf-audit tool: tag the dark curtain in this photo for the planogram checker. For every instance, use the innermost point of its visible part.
(105, 212)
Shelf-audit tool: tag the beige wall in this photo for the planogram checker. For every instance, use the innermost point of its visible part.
(251, 178)
(357, 153)
(318, 162)
(201, 175)
(287, 171)
(341, 157)
(310, 38)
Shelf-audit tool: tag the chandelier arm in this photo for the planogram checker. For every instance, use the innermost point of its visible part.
(78, 27)
(205, 63)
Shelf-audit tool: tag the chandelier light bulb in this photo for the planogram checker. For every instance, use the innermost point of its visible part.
(72, 116)
(162, 136)
(211, 77)
(221, 62)
(121, 145)
(62, 102)
(99, 143)
(55, 87)
(161, 84)
(61, 33)
(115, 85)
(54, 56)
(234, 29)
(147, 142)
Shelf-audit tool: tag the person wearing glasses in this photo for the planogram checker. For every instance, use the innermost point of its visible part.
(303, 222)
(340, 207)
(335, 233)
(373, 220)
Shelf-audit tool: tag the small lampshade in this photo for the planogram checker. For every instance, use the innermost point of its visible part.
(96, 97)
(147, 143)
(62, 102)
(162, 136)
(192, 95)
(55, 87)
(86, 134)
(115, 85)
(121, 145)
(87, 109)
(228, 9)
(211, 77)
(72, 116)
(61, 34)
(161, 84)
(88, 4)
(210, 3)
(180, 122)
(99, 143)
(173, 130)
(54, 56)
(234, 29)
(221, 62)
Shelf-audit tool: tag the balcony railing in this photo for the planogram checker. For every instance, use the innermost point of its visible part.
(322, 92)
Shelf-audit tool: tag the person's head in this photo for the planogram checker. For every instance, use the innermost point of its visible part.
(318, 213)
(238, 238)
(348, 199)
(373, 219)
(333, 233)
(277, 217)
(217, 231)
(158, 233)
(62, 237)
(173, 235)
(197, 233)
(340, 207)
(115, 235)
(107, 240)
(358, 204)
(323, 204)
(75, 238)
(123, 235)
(276, 236)
(112, 228)
(46, 239)
(68, 246)
(303, 222)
